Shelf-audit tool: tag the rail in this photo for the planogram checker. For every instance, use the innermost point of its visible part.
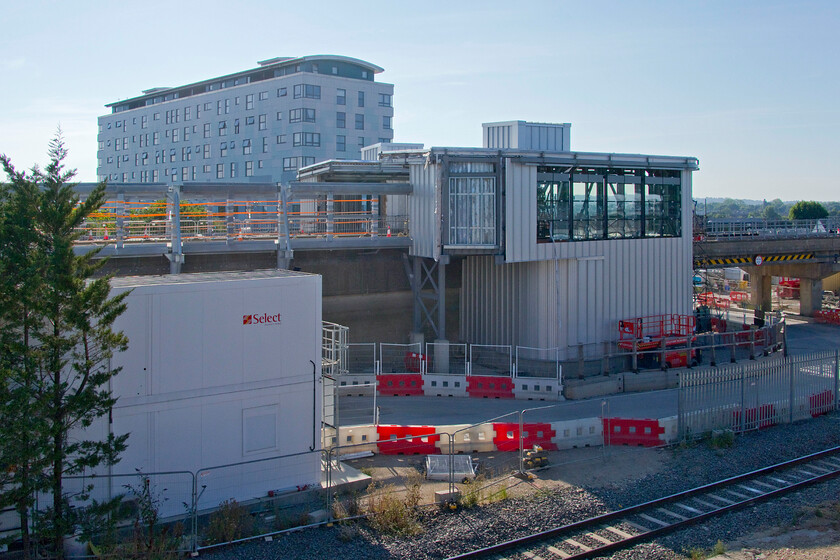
(605, 533)
(770, 229)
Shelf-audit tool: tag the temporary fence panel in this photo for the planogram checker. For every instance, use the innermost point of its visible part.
(446, 358)
(361, 358)
(445, 385)
(401, 358)
(356, 403)
(815, 385)
(491, 360)
(537, 362)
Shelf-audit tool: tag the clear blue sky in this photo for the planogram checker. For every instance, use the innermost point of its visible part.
(751, 88)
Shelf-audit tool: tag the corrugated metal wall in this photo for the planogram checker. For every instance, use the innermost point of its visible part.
(424, 211)
(600, 282)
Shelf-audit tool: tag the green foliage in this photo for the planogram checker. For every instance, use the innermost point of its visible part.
(722, 439)
(774, 209)
(808, 210)
(57, 340)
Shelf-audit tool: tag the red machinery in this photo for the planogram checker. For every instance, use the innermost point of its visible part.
(646, 336)
(788, 288)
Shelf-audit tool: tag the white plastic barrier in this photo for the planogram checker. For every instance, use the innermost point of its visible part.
(346, 382)
(670, 425)
(581, 432)
(362, 438)
(435, 385)
(536, 389)
(474, 439)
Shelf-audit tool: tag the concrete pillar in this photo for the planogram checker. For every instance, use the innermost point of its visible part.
(810, 296)
(761, 293)
(441, 357)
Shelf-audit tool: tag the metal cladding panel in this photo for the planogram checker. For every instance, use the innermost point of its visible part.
(520, 303)
(520, 211)
(424, 211)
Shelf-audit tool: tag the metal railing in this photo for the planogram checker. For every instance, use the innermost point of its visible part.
(773, 229)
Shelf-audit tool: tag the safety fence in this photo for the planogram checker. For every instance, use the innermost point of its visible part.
(126, 222)
(756, 395)
(455, 370)
(773, 229)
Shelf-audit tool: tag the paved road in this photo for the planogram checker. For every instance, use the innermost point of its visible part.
(802, 338)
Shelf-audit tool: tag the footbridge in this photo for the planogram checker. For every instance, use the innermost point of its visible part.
(804, 249)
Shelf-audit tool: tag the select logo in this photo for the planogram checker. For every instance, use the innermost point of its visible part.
(261, 319)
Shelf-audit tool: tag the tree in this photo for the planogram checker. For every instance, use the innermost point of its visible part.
(71, 339)
(808, 210)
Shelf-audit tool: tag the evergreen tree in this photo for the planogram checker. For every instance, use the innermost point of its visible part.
(72, 339)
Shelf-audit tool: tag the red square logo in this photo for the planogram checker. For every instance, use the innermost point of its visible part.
(247, 319)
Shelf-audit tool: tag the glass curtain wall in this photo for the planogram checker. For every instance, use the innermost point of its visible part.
(584, 204)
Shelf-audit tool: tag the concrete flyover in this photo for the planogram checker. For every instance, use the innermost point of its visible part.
(811, 256)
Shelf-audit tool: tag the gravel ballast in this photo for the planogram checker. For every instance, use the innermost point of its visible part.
(448, 533)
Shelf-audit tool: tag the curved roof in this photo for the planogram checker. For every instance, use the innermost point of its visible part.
(315, 57)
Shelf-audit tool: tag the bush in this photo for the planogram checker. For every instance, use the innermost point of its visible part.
(722, 439)
(390, 514)
(230, 522)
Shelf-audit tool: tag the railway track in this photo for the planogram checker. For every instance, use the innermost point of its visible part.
(602, 534)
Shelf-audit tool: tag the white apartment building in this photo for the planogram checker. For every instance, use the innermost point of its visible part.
(261, 124)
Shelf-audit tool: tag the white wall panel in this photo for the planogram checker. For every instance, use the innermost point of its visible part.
(424, 211)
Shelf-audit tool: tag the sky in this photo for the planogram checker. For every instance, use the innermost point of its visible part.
(748, 87)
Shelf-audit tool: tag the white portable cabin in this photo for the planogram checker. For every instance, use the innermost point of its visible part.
(222, 368)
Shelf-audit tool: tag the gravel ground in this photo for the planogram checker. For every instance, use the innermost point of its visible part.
(446, 534)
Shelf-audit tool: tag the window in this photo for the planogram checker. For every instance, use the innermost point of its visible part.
(207, 130)
(260, 164)
(186, 154)
(281, 92)
(472, 209)
(307, 160)
(236, 126)
(279, 115)
(187, 113)
(362, 142)
(223, 149)
(219, 107)
(206, 151)
(155, 138)
(249, 120)
(265, 145)
(102, 144)
(220, 171)
(249, 168)
(208, 106)
(174, 134)
(156, 117)
(340, 143)
(290, 163)
(312, 139)
(361, 99)
(386, 122)
(596, 203)
(232, 169)
(246, 147)
(198, 111)
(172, 154)
(144, 121)
(340, 120)
(249, 101)
(262, 123)
(186, 133)
(341, 97)
(227, 106)
(335, 70)
(263, 95)
(185, 173)
(302, 115)
(384, 99)
(360, 122)
(307, 91)
(222, 128)
(281, 138)
(207, 168)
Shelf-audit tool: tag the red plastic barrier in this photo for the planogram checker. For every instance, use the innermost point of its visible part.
(827, 316)
(413, 361)
(536, 433)
(620, 431)
(489, 387)
(821, 403)
(399, 384)
(766, 416)
(420, 440)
